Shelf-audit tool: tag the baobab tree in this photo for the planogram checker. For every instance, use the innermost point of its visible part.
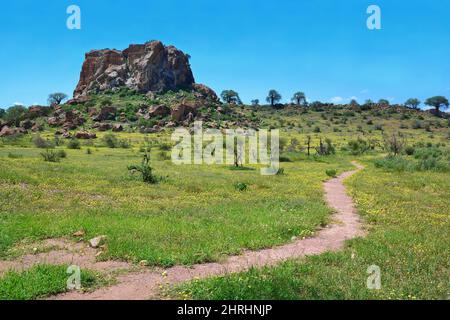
(230, 96)
(56, 98)
(299, 98)
(437, 102)
(273, 97)
(412, 103)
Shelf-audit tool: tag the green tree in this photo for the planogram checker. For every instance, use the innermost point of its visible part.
(2, 112)
(15, 114)
(299, 98)
(273, 97)
(255, 102)
(384, 102)
(230, 96)
(412, 103)
(56, 98)
(437, 102)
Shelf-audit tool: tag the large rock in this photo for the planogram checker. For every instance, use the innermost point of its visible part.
(85, 135)
(7, 131)
(106, 113)
(160, 110)
(181, 111)
(205, 92)
(143, 67)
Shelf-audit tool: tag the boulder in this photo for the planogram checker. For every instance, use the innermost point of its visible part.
(181, 111)
(104, 126)
(142, 67)
(117, 128)
(6, 131)
(105, 114)
(84, 135)
(26, 124)
(204, 92)
(36, 127)
(53, 121)
(160, 110)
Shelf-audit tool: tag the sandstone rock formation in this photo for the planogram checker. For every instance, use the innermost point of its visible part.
(142, 67)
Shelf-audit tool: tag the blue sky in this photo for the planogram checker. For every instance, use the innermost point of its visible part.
(320, 47)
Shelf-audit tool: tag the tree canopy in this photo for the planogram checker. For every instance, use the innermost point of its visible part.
(56, 98)
(437, 102)
(273, 97)
(15, 114)
(230, 96)
(299, 98)
(412, 103)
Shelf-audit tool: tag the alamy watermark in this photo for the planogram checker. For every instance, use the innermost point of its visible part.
(74, 280)
(74, 20)
(374, 20)
(374, 278)
(228, 146)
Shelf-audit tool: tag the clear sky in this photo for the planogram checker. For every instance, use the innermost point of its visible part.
(320, 47)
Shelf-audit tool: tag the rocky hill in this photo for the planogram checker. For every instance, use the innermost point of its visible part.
(141, 67)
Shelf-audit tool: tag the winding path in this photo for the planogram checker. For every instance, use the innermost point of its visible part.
(146, 284)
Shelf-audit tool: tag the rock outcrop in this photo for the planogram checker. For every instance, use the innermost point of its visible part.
(149, 67)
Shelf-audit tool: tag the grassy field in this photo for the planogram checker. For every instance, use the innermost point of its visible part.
(196, 214)
(407, 214)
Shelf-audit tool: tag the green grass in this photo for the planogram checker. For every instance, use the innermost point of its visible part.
(42, 281)
(407, 215)
(195, 215)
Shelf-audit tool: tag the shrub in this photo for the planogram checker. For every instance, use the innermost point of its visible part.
(88, 151)
(280, 172)
(331, 172)
(165, 146)
(326, 148)
(378, 127)
(145, 170)
(42, 143)
(125, 144)
(358, 147)
(317, 129)
(163, 156)
(240, 186)
(110, 140)
(74, 144)
(50, 156)
(417, 124)
(61, 154)
(409, 150)
(394, 143)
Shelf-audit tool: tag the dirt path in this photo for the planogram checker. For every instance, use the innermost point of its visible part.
(144, 283)
(147, 284)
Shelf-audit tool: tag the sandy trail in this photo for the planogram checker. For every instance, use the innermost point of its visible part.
(146, 284)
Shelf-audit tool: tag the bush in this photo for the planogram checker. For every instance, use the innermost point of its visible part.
(317, 129)
(331, 172)
(88, 151)
(358, 147)
(240, 186)
(409, 150)
(110, 140)
(42, 143)
(326, 148)
(163, 156)
(145, 170)
(61, 154)
(50, 156)
(74, 144)
(165, 146)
